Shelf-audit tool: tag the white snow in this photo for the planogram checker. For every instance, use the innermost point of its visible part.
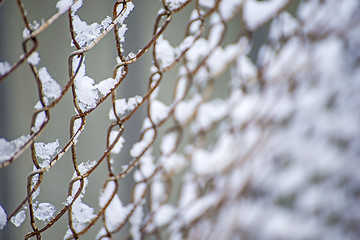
(33, 26)
(4, 67)
(165, 53)
(9, 148)
(101, 234)
(106, 85)
(207, 3)
(34, 180)
(83, 168)
(129, 8)
(283, 26)
(180, 89)
(136, 220)
(106, 193)
(245, 68)
(19, 218)
(210, 112)
(156, 77)
(197, 52)
(158, 111)
(34, 58)
(51, 88)
(284, 59)
(81, 212)
(158, 194)
(121, 32)
(146, 168)
(186, 109)
(124, 106)
(76, 6)
(40, 117)
(139, 191)
(164, 215)
(189, 193)
(173, 163)
(77, 125)
(168, 143)
(45, 211)
(257, 13)
(173, 4)
(218, 159)
(221, 58)
(244, 111)
(189, 40)
(215, 32)
(228, 8)
(69, 199)
(86, 33)
(3, 218)
(26, 33)
(131, 55)
(86, 90)
(321, 22)
(6, 149)
(156, 91)
(193, 29)
(199, 207)
(123, 27)
(140, 146)
(46, 151)
(116, 213)
(63, 5)
(119, 145)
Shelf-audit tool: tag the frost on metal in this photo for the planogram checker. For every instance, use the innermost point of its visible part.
(242, 138)
(9, 148)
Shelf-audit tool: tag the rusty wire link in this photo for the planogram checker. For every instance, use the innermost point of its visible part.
(204, 24)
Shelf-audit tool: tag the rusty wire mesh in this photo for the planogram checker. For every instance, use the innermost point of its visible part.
(180, 139)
